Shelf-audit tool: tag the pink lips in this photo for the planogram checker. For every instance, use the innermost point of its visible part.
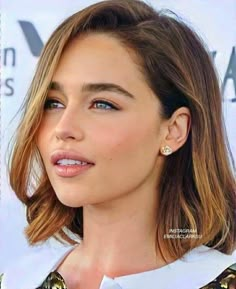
(70, 170)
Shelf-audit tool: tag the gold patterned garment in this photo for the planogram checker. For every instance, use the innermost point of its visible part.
(226, 280)
(53, 281)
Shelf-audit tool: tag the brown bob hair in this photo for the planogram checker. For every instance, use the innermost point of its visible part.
(197, 186)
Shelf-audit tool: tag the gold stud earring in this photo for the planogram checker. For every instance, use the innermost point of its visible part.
(166, 150)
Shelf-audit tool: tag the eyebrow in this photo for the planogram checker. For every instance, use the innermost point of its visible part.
(94, 87)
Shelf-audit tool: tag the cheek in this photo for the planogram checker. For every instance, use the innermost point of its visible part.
(126, 158)
(129, 140)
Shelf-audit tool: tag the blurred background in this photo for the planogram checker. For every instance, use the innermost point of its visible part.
(25, 27)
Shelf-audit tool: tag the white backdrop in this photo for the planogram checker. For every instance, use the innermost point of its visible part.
(26, 25)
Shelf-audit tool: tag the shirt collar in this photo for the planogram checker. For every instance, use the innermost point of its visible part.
(196, 268)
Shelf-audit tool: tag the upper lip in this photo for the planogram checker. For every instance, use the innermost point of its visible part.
(62, 154)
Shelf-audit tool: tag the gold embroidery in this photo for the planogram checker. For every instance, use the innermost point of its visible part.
(53, 281)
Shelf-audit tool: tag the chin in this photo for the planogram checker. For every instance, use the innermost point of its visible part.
(72, 200)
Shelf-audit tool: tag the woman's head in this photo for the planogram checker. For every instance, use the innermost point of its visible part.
(168, 76)
(108, 115)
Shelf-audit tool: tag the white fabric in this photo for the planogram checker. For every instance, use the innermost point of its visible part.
(196, 269)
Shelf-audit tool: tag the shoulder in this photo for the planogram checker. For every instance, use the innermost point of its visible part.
(226, 280)
(36, 266)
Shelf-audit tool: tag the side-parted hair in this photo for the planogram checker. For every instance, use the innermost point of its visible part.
(197, 185)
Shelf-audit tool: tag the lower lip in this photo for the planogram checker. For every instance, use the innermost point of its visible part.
(71, 170)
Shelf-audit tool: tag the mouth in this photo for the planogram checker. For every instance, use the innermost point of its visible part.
(70, 164)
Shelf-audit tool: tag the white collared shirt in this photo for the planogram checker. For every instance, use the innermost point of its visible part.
(194, 270)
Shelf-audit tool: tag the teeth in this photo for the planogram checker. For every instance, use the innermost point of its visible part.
(69, 162)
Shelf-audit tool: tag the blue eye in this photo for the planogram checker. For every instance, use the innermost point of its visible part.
(104, 105)
(51, 103)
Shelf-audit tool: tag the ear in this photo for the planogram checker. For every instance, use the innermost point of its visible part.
(176, 130)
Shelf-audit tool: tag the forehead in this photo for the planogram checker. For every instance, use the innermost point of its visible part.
(99, 57)
(102, 59)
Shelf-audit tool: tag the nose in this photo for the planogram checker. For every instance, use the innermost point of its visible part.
(69, 126)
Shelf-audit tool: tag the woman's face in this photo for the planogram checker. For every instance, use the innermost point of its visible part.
(100, 112)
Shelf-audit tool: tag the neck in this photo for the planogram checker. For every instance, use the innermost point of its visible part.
(120, 238)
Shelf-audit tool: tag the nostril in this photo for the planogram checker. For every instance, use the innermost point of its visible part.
(64, 136)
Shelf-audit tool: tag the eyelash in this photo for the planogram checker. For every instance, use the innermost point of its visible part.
(112, 106)
(51, 101)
